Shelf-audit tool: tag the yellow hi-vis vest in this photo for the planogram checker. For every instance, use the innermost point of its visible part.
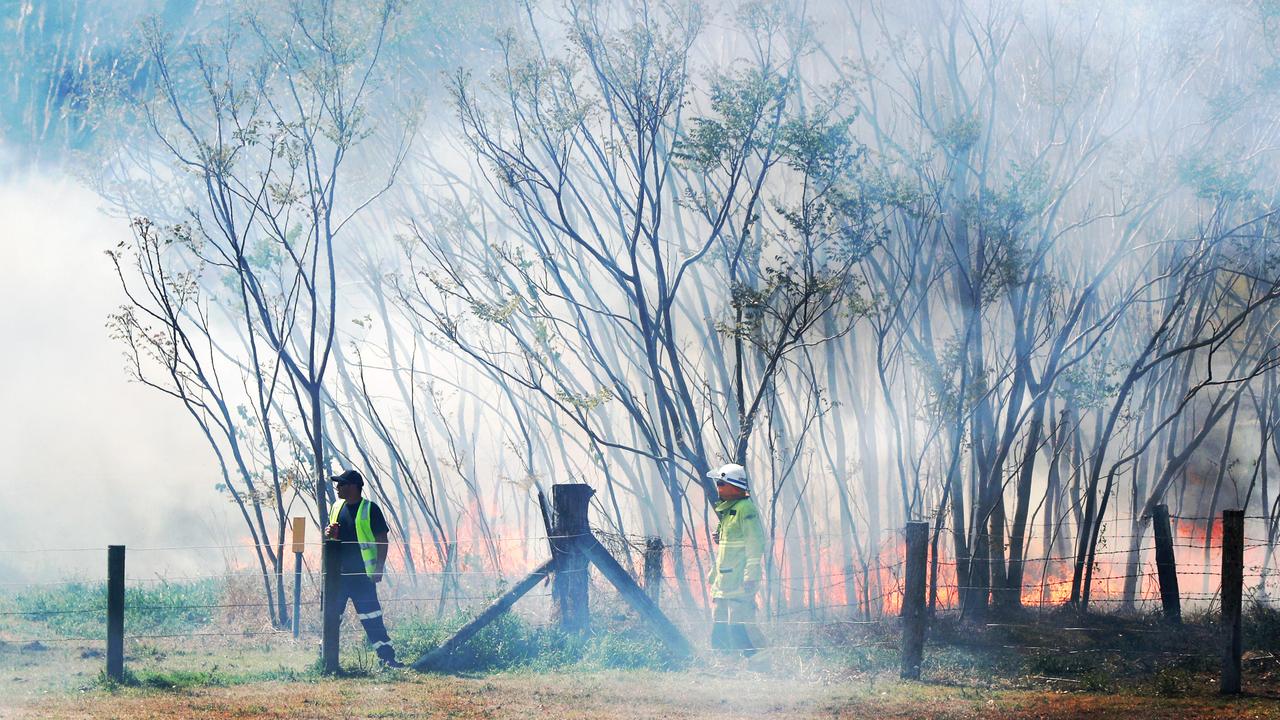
(738, 558)
(364, 534)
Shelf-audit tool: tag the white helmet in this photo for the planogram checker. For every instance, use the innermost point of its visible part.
(732, 473)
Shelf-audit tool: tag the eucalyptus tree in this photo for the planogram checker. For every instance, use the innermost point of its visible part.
(52, 60)
(1050, 268)
(968, 277)
(167, 327)
(1218, 313)
(262, 116)
(628, 221)
(227, 146)
(1025, 153)
(1223, 242)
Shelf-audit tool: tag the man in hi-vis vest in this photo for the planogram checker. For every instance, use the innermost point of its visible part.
(358, 523)
(735, 577)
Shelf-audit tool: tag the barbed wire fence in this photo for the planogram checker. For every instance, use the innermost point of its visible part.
(805, 609)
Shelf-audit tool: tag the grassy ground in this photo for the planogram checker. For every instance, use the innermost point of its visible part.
(631, 694)
(1032, 666)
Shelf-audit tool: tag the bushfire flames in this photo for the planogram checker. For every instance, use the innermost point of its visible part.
(822, 579)
(874, 587)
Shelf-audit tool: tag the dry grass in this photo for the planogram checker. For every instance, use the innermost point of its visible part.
(631, 694)
(1032, 668)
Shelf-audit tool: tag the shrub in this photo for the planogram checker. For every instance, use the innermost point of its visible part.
(1173, 682)
(1262, 626)
(625, 651)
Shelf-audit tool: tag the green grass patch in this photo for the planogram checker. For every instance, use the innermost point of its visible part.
(80, 609)
(164, 680)
(511, 643)
(179, 680)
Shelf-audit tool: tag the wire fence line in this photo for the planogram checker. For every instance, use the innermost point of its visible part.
(786, 633)
(636, 538)
(539, 540)
(154, 636)
(851, 569)
(887, 577)
(788, 579)
(873, 579)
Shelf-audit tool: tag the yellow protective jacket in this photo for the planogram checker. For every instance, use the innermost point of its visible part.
(364, 533)
(738, 557)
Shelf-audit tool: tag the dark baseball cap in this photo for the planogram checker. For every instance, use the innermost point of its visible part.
(348, 477)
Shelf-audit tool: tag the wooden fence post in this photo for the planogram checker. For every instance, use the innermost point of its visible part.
(653, 568)
(572, 543)
(913, 595)
(1166, 565)
(299, 545)
(332, 611)
(115, 612)
(569, 584)
(1232, 592)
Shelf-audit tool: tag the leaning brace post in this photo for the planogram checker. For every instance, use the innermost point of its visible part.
(1232, 591)
(913, 596)
(1166, 565)
(299, 545)
(571, 542)
(569, 585)
(438, 659)
(653, 568)
(115, 612)
(332, 611)
(636, 597)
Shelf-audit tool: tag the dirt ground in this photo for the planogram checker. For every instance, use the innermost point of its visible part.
(618, 694)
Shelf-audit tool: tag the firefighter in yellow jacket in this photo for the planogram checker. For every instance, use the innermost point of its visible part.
(735, 578)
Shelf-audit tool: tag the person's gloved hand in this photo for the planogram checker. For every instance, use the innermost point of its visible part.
(750, 587)
(715, 536)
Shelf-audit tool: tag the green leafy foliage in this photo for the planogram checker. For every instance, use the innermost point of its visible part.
(1217, 179)
(738, 101)
(961, 134)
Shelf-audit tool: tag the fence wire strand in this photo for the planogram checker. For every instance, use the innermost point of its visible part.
(875, 585)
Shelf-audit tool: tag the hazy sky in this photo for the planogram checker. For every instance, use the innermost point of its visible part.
(89, 458)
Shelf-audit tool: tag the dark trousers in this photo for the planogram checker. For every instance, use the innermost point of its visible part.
(734, 626)
(363, 594)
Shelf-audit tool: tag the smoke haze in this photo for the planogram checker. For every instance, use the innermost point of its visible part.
(90, 459)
